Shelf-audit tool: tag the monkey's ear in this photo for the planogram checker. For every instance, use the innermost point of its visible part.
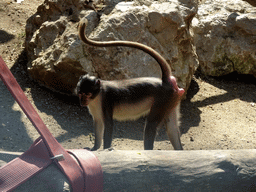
(75, 91)
(81, 77)
(98, 82)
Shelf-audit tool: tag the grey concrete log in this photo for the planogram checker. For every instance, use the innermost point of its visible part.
(217, 170)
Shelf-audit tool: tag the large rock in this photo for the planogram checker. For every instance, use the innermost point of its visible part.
(225, 37)
(57, 57)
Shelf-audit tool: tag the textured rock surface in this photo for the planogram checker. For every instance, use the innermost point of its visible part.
(50, 35)
(57, 57)
(225, 37)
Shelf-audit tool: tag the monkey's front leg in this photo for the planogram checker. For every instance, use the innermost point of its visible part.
(108, 131)
(99, 130)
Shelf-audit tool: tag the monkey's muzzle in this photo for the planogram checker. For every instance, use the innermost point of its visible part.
(84, 99)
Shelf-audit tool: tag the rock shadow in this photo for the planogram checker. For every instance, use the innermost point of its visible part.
(5, 36)
(13, 134)
(237, 86)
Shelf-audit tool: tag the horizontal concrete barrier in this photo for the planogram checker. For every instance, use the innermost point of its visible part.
(217, 170)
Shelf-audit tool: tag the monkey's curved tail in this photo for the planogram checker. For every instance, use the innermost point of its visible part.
(166, 70)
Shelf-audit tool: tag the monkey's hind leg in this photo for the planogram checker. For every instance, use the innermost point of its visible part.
(150, 134)
(172, 128)
(154, 120)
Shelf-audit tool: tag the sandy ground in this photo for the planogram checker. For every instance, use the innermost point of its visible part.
(219, 113)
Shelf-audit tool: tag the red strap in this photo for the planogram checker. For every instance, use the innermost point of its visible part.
(69, 166)
(93, 174)
(19, 170)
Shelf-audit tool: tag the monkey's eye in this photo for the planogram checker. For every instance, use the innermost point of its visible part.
(89, 94)
(85, 94)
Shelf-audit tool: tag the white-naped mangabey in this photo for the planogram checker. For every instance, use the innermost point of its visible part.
(132, 98)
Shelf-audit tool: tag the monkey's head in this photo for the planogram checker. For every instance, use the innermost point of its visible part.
(88, 87)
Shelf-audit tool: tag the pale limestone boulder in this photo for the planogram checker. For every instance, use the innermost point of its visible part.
(225, 37)
(57, 57)
(50, 35)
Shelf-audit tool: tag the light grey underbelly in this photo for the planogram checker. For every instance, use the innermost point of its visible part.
(133, 111)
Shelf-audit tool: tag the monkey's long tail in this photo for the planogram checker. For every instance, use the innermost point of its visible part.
(166, 70)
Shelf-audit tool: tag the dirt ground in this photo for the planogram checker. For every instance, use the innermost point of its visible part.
(219, 113)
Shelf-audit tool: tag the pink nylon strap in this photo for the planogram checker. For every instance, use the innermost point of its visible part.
(93, 174)
(69, 166)
(22, 168)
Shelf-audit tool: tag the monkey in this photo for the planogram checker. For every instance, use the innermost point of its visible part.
(130, 99)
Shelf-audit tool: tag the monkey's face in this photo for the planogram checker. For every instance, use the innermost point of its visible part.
(88, 87)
